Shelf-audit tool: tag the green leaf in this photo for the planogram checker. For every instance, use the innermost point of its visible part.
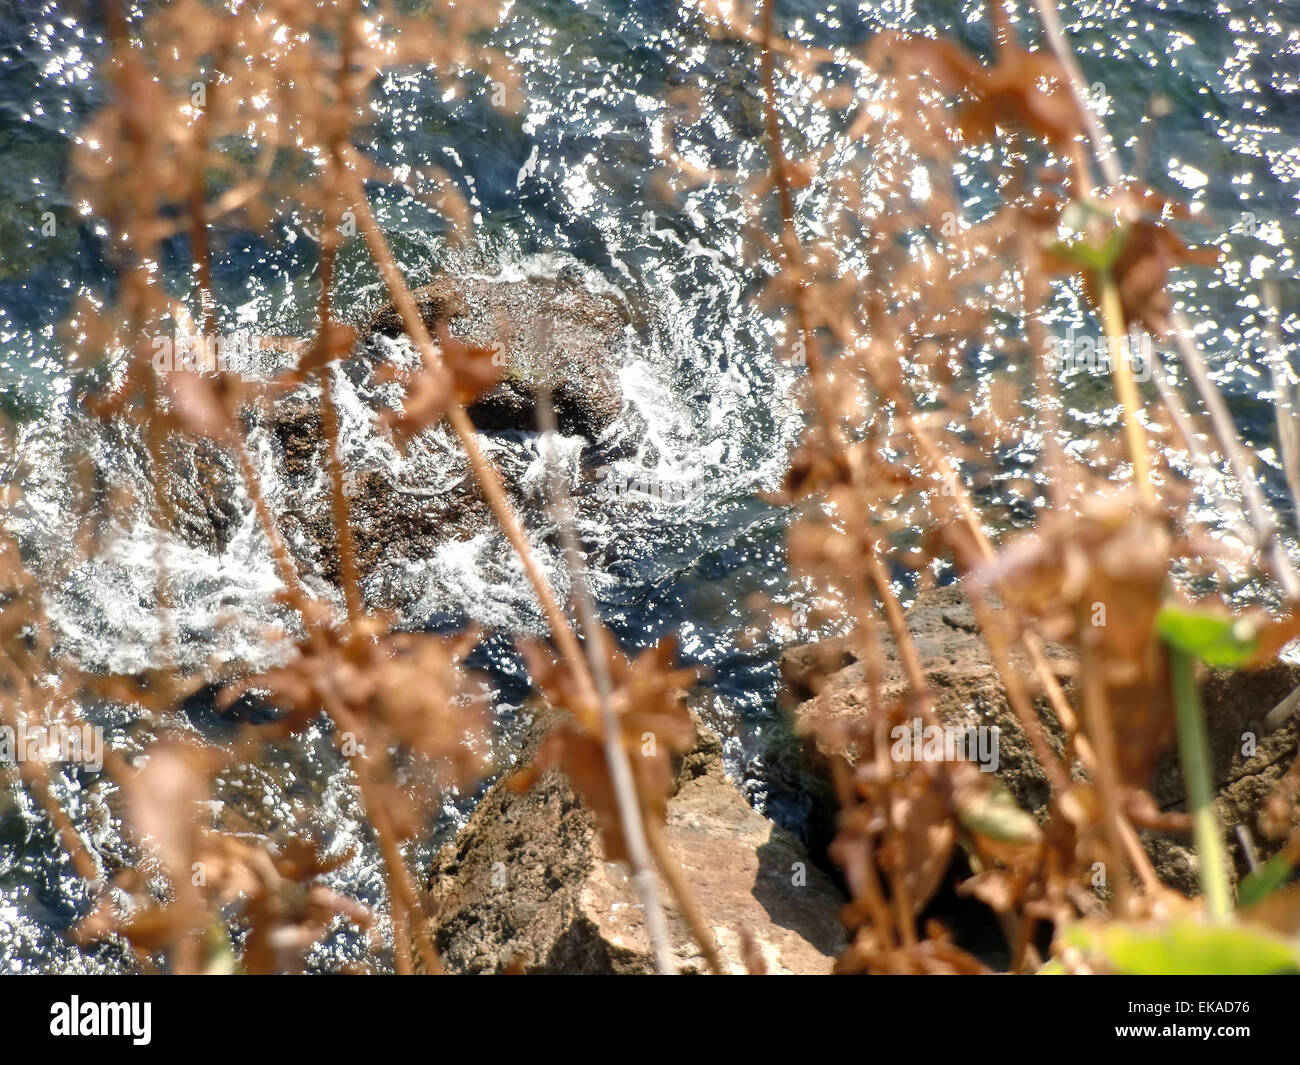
(994, 813)
(1215, 639)
(1265, 880)
(1186, 948)
(1096, 257)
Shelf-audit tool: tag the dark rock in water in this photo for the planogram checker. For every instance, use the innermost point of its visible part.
(201, 709)
(197, 486)
(525, 885)
(389, 520)
(208, 518)
(553, 334)
(968, 691)
(203, 488)
(295, 422)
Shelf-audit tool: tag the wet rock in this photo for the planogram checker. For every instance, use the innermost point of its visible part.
(1247, 758)
(295, 422)
(201, 482)
(525, 885)
(388, 520)
(553, 334)
(197, 487)
(805, 667)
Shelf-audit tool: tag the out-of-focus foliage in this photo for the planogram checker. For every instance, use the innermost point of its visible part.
(888, 293)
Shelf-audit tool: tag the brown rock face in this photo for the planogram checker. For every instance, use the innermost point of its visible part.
(965, 683)
(968, 691)
(526, 886)
(553, 335)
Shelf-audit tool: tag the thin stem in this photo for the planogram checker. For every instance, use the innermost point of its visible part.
(1096, 129)
(682, 893)
(1112, 320)
(1096, 712)
(401, 889)
(620, 772)
(1267, 535)
(792, 246)
(340, 507)
(1194, 750)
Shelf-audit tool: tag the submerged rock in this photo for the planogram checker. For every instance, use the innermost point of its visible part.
(525, 885)
(968, 691)
(553, 334)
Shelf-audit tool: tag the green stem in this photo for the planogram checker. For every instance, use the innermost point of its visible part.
(1194, 748)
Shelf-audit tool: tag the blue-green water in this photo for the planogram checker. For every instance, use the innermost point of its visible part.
(569, 181)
